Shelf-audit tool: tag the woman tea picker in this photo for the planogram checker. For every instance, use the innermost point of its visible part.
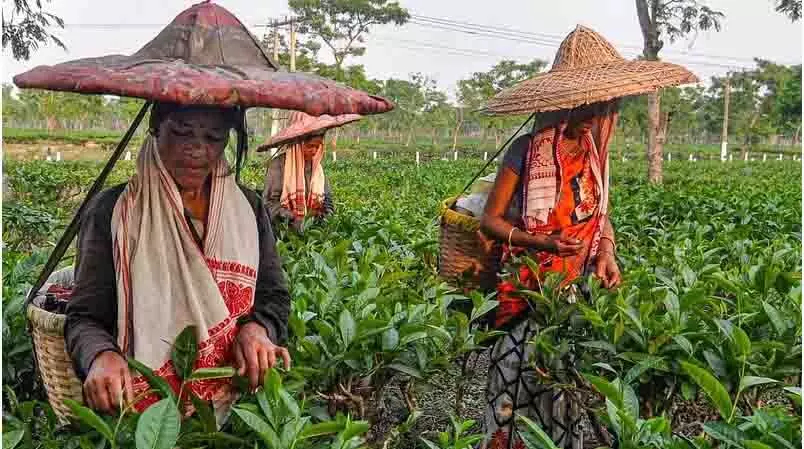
(558, 179)
(295, 186)
(181, 243)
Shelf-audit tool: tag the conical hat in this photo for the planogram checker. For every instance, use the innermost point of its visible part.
(206, 57)
(587, 69)
(301, 124)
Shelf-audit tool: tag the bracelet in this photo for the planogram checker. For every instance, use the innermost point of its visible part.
(613, 245)
(511, 233)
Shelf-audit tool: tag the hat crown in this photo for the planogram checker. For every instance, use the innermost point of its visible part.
(584, 47)
(207, 34)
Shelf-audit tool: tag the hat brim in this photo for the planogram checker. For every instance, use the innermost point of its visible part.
(297, 131)
(176, 81)
(567, 89)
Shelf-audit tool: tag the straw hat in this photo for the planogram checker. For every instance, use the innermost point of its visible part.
(587, 69)
(206, 57)
(301, 125)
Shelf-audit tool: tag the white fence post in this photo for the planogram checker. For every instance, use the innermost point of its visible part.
(764, 157)
(334, 157)
(669, 157)
(485, 155)
(781, 157)
(731, 157)
(455, 156)
(745, 158)
(128, 155)
(58, 156)
(690, 158)
(375, 155)
(417, 158)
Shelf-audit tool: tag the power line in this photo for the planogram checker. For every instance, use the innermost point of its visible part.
(541, 38)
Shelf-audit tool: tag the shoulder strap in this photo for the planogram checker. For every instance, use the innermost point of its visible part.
(72, 229)
(491, 159)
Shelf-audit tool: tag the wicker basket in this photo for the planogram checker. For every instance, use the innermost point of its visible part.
(55, 364)
(464, 258)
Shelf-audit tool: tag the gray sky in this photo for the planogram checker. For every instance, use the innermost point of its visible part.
(751, 29)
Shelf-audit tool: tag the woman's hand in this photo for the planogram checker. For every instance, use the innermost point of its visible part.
(564, 246)
(255, 353)
(108, 381)
(607, 270)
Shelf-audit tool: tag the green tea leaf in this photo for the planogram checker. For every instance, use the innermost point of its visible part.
(599, 344)
(390, 339)
(290, 402)
(90, 418)
(608, 389)
(754, 444)
(484, 308)
(347, 326)
(320, 429)
(12, 438)
(156, 382)
(537, 433)
(405, 369)
(222, 372)
(644, 365)
(185, 351)
(266, 433)
(741, 340)
(159, 426)
(711, 386)
(725, 432)
(752, 381)
(775, 318)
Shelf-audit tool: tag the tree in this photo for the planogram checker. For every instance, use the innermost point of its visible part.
(790, 8)
(673, 19)
(342, 24)
(27, 28)
(475, 91)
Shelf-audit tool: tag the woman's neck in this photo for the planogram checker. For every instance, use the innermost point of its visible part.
(196, 201)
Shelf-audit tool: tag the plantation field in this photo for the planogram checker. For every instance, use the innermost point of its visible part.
(699, 348)
(32, 144)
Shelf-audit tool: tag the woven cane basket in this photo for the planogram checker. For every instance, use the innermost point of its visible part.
(55, 364)
(463, 258)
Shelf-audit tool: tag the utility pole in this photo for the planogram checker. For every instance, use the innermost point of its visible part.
(274, 111)
(725, 137)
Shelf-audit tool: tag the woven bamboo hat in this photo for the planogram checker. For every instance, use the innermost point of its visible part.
(205, 56)
(587, 69)
(301, 125)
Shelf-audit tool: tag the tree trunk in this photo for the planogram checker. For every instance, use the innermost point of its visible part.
(655, 139)
(410, 136)
(458, 123)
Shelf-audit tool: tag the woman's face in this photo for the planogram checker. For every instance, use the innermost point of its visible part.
(311, 145)
(191, 141)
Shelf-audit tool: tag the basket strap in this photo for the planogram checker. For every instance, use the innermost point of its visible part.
(491, 159)
(72, 229)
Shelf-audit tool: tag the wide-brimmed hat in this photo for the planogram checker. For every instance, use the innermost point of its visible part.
(301, 125)
(204, 57)
(587, 69)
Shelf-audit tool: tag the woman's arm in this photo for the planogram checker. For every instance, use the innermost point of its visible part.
(91, 316)
(493, 222)
(271, 297)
